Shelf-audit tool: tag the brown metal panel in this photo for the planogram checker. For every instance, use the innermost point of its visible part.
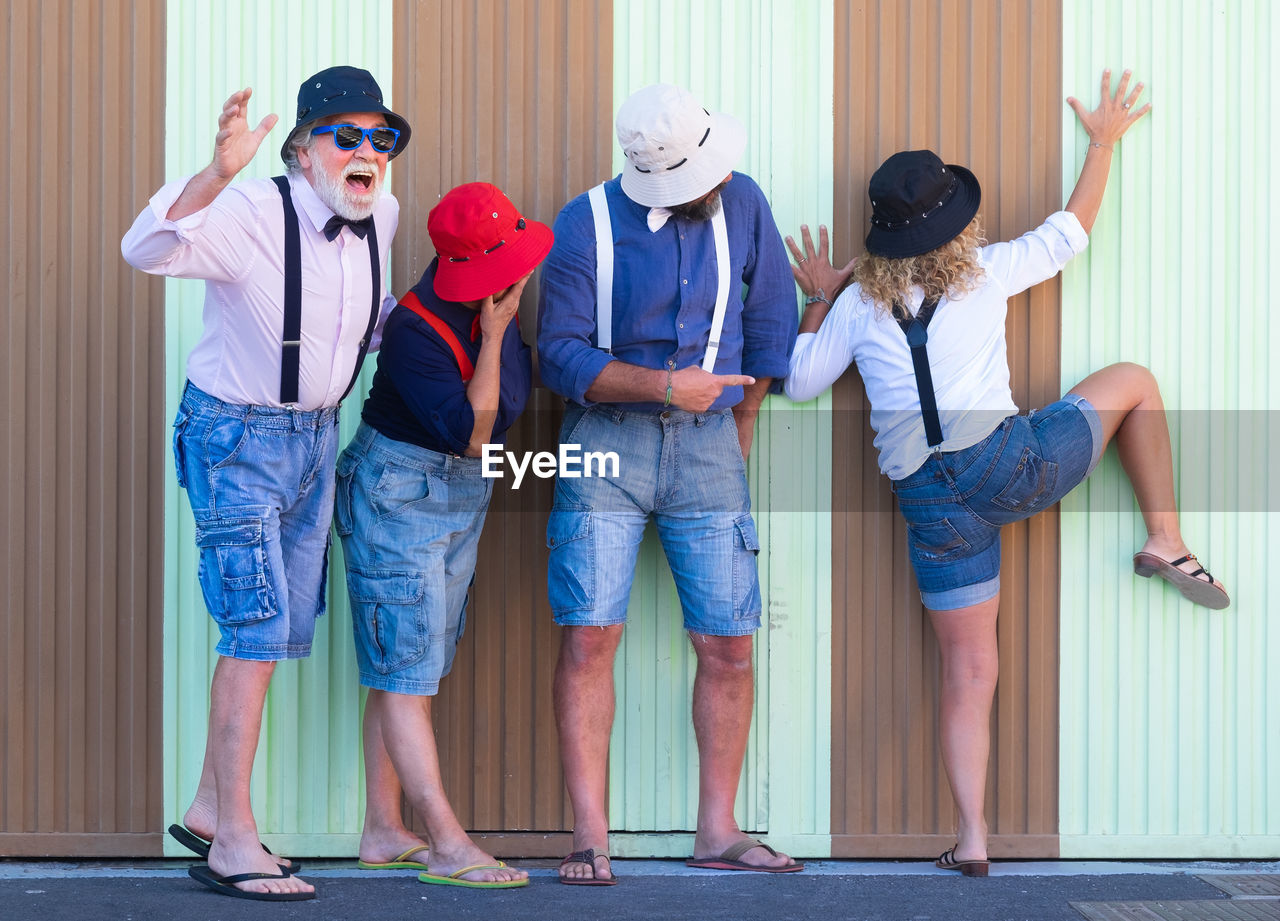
(978, 81)
(518, 93)
(80, 610)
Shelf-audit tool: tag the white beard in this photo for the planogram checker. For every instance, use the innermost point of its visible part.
(339, 197)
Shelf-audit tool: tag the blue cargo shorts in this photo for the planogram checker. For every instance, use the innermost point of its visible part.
(409, 519)
(684, 471)
(956, 503)
(260, 483)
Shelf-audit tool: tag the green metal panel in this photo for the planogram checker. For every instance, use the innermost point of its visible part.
(768, 64)
(307, 786)
(1168, 731)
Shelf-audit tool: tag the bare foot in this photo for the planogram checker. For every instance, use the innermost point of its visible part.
(392, 845)
(445, 861)
(232, 855)
(600, 866)
(707, 845)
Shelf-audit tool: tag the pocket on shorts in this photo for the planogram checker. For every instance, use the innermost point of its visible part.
(746, 577)
(936, 540)
(388, 612)
(401, 488)
(233, 569)
(571, 565)
(1030, 486)
(343, 519)
(179, 451)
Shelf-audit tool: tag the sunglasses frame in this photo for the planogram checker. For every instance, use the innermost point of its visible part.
(365, 134)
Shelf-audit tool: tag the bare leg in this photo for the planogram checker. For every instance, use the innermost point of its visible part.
(723, 695)
(584, 702)
(235, 721)
(970, 665)
(404, 726)
(1128, 402)
(384, 836)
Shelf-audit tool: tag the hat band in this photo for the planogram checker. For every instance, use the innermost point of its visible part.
(898, 225)
(705, 135)
(520, 225)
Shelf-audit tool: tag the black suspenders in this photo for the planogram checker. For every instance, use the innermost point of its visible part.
(916, 329)
(291, 335)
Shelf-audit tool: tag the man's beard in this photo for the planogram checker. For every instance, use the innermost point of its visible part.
(701, 209)
(339, 196)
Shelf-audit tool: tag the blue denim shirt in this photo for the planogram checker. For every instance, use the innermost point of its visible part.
(418, 395)
(664, 292)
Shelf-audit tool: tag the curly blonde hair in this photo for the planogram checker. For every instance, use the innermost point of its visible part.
(952, 270)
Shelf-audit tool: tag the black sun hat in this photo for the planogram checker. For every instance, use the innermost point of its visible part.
(338, 91)
(918, 203)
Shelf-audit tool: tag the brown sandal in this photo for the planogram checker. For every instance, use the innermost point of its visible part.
(588, 857)
(1196, 590)
(947, 861)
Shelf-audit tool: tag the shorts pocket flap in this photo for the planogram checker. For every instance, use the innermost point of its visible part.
(568, 524)
(746, 528)
(379, 586)
(230, 527)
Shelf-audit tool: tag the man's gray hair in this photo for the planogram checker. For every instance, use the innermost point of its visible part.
(299, 140)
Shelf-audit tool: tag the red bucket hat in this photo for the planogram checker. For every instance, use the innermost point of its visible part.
(483, 243)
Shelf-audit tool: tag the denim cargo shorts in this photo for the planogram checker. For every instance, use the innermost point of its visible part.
(409, 519)
(260, 483)
(685, 472)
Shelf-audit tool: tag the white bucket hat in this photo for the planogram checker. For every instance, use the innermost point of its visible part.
(676, 150)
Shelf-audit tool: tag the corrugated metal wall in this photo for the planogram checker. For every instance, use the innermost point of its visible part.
(978, 81)
(81, 543)
(1170, 745)
(769, 65)
(515, 93)
(307, 784)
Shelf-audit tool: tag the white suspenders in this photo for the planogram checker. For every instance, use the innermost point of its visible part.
(604, 277)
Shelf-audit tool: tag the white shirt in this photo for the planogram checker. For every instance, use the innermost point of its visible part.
(237, 246)
(967, 352)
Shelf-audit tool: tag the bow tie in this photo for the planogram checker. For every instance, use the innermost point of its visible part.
(334, 226)
(657, 218)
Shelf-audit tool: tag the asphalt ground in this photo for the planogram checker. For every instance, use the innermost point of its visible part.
(648, 889)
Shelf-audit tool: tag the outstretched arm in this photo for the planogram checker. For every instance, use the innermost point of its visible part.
(233, 148)
(816, 276)
(1105, 125)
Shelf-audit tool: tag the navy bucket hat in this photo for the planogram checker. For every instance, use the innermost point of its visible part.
(918, 203)
(337, 91)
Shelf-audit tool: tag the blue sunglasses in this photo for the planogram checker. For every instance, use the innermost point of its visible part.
(350, 137)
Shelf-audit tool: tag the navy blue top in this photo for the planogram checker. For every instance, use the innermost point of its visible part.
(664, 293)
(418, 395)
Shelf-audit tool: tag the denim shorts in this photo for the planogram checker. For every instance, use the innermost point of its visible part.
(685, 471)
(956, 503)
(410, 520)
(260, 483)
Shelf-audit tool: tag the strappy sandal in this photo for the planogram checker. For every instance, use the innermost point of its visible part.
(1194, 589)
(947, 861)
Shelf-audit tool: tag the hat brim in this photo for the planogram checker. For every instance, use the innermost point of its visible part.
(350, 106)
(939, 228)
(697, 176)
(481, 276)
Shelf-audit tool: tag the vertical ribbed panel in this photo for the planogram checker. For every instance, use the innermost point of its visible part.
(769, 65)
(977, 81)
(306, 782)
(80, 518)
(1169, 712)
(514, 92)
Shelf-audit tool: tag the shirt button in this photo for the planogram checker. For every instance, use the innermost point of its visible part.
(684, 281)
(682, 326)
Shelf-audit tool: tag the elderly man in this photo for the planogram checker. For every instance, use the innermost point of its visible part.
(293, 271)
(667, 310)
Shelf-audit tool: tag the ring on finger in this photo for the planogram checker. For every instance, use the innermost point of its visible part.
(1125, 106)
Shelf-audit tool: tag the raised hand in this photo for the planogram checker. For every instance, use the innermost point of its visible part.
(235, 144)
(495, 316)
(1115, 114)
(813, 270)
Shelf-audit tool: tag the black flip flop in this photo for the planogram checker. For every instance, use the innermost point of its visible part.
(588, 857)
(224, 885)
(197, 845)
